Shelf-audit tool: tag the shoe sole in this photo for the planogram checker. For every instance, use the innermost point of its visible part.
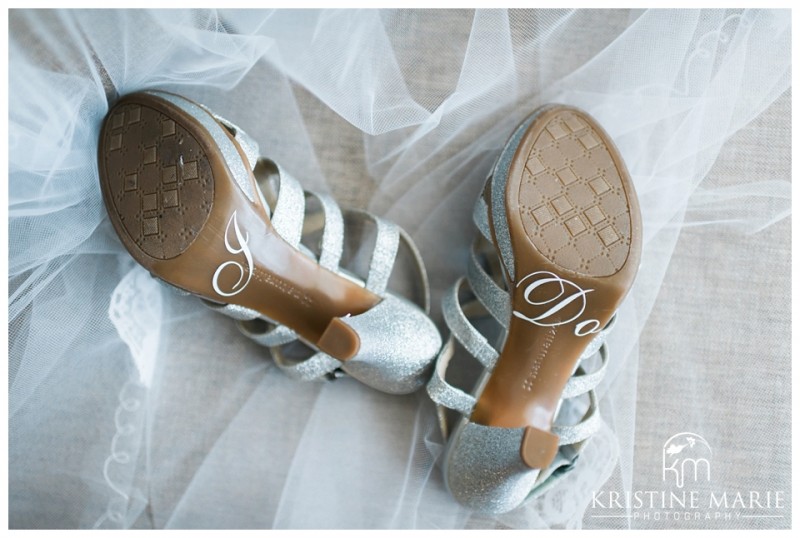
(574, 229)
(185, 205)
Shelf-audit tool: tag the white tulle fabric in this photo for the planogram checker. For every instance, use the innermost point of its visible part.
(130, 406)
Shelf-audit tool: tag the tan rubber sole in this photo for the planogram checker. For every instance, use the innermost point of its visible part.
(575, 232)
(174, 201)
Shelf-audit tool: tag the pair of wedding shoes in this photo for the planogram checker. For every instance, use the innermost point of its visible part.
(560, 239)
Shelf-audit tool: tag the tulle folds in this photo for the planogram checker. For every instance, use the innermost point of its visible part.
(130, 406)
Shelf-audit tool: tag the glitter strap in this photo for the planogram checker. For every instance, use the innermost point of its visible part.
(589, 424)
(380, 266)
(581, 383)
(249, 146)
(443, 393)
(491, 295)
(333, 232)
(480, 216)
(313, 368)
(600, 339)
(419, 265)
(234, 311)
(275, 335)
(287, 219)
(469, 337)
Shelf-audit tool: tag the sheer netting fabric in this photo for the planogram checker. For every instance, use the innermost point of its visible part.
(131, 406)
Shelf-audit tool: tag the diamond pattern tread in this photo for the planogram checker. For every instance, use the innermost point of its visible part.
(159, 179)
(573, 203)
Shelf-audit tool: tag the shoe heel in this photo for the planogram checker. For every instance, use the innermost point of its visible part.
(339, 340)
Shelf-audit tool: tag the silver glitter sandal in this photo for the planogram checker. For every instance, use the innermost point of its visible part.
(193, 202)
(560, 247)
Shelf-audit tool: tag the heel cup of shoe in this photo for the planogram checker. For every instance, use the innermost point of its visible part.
(339, 340)
(538, 448)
